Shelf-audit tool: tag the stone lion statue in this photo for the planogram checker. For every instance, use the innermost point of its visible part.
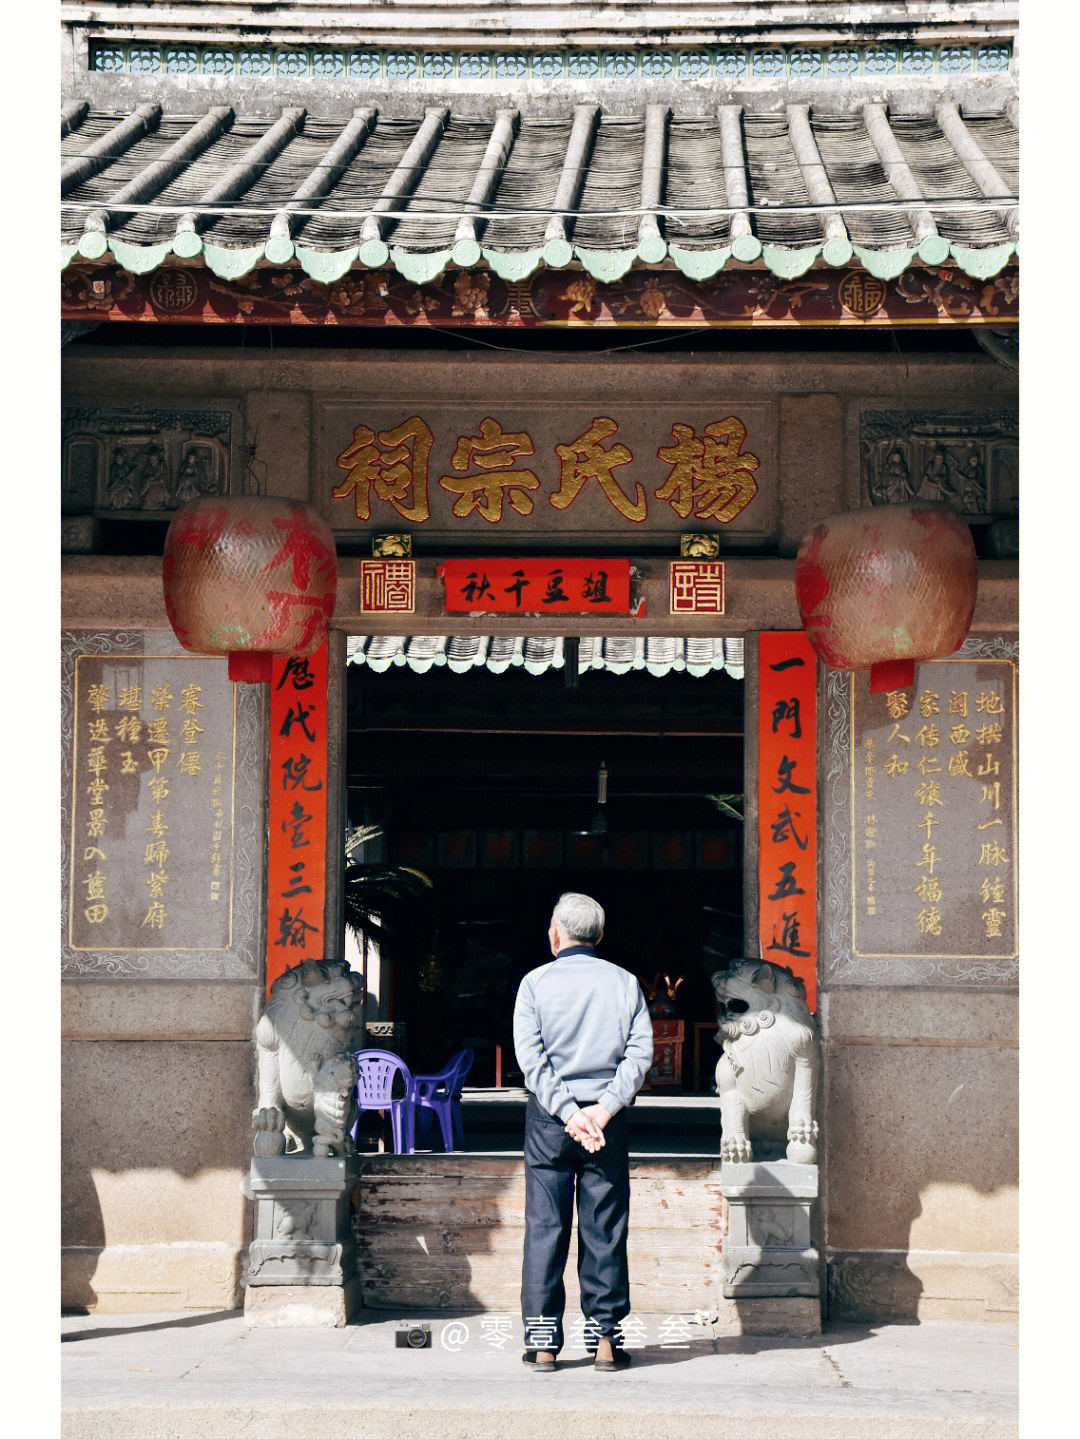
(306, 1073)
(766, 1076)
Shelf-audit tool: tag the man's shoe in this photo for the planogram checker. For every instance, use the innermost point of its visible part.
(542, 1360)
(609, 1357)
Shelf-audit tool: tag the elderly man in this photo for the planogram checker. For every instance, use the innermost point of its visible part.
(583, 1039)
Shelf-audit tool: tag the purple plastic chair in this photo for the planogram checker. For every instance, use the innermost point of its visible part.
(375, 1073)
(441, 1093)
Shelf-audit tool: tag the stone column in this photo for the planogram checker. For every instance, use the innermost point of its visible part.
(769, 1270)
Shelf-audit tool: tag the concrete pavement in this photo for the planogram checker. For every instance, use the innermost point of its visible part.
(181, 1376)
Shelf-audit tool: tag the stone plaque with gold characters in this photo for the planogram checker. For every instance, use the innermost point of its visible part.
(580, 471)
(933, 813)
(162, 803)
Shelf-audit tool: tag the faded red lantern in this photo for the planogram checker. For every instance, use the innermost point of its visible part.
(885, 588)
(250, 578)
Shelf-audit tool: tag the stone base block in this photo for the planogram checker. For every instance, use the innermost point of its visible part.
(920, 1284)
(150, 1278)
(751, 1272)
(302, 1215)
(792, 1317)
(294, 1306)
(768, 1250)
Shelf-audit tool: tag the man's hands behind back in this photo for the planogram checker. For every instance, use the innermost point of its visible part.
(587, 1126)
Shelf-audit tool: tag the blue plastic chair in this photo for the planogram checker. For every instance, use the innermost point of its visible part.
(375, 1073)
(441, 1094)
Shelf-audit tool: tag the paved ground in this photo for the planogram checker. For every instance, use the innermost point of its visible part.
(175, 1377)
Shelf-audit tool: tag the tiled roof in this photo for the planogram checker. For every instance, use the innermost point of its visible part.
(788, 184)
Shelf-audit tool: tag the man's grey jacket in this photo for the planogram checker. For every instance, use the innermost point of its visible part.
(582, 1032)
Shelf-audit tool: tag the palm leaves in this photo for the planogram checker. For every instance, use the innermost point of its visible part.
(385, 902)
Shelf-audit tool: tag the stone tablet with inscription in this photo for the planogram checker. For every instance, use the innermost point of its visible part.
(578, 471)
(163, 790)
(933, 813)
(918, 872)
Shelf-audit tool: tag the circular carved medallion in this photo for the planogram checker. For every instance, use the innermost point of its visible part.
(173, 290)
(863, 295)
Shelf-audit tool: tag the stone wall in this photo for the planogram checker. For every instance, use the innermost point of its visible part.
(919, 1186)
(156, 1096)
(157, 1049)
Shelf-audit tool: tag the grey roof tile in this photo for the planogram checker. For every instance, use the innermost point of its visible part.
(797, 183)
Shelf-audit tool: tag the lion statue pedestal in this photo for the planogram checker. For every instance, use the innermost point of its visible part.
(766, 1079)
(301, 1265)
(769, 1271)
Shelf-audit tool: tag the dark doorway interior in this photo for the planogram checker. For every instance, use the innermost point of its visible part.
(487, 784)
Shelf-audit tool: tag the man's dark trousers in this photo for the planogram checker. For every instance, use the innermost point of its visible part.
(555, 1165)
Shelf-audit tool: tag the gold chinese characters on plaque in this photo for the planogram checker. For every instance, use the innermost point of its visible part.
(933, 813)
(152, 805)
(521, 470)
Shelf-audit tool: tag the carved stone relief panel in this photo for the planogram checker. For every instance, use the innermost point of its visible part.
(143, 463)
(970, 462)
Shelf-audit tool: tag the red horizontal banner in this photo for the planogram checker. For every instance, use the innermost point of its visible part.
(532, 586)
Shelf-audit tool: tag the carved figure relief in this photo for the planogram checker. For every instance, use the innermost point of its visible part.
(767, 1074)
(196, 477)
(770, 1226)
(153, 475)
(895, 483)
(974, 479)
(144, 461)
(966, 461)
(295, 1221)
(121, 485)
(938, 478)
(304, 1039)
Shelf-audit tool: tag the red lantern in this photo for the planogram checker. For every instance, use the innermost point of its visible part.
(250, 578)
(885, 588)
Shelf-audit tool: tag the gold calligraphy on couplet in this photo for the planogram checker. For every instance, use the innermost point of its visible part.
(936, 796)
(709, 476)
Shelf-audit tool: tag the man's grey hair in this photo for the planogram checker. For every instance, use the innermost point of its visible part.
(579, 917)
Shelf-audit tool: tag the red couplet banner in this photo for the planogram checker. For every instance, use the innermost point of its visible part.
(296, 862)
(517, 586)
(787, 804)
